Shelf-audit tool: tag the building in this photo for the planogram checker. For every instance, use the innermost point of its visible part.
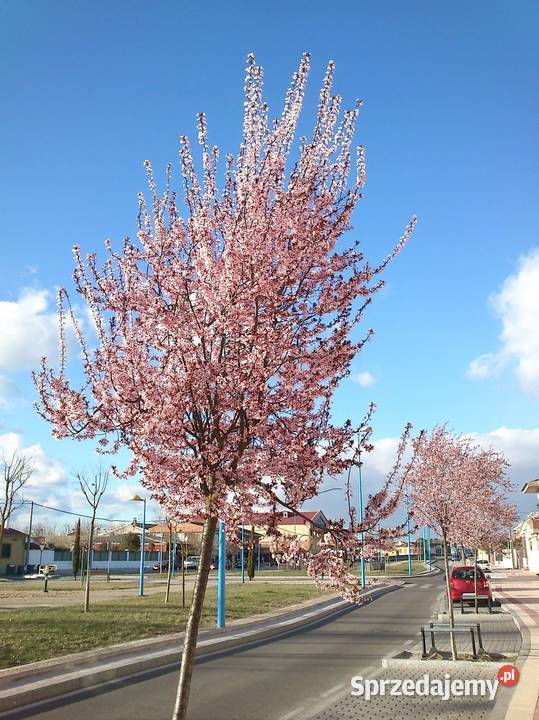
(308, 528)
(12, 555)
(526, 543)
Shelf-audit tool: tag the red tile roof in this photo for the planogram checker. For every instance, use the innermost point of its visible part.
(298, 519)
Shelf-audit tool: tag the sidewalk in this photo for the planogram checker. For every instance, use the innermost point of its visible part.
(519, 592)
(519, 595)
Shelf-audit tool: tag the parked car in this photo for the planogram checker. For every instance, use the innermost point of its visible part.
(484, 564)
(191, 562)
(160, 567)
(462, 581)
(47, 570)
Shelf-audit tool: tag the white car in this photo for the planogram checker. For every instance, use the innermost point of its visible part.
(484, 565)
(191, 562)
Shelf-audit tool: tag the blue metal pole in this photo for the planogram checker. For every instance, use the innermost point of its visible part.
(408, 531)
(141, 579)
(173, 559)
(242, 553)
(428, 546)
(362, 559)
(409, 546)
(258, 556)
(221, 577)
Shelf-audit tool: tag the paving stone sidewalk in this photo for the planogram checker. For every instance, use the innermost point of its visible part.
(519, 593)
(501, 639)
(391, 707)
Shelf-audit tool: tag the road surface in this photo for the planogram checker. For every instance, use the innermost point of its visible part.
(272, 680)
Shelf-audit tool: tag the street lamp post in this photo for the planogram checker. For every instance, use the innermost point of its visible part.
(221, 576)
(362, 558)
(408, 531)
(137, 498)
(242, 553)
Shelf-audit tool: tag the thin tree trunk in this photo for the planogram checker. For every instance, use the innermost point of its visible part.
(169, 568)
(476, 602)
(1, 535)
(449, 601)
(82, 569)
(193, 621)
(88, 565)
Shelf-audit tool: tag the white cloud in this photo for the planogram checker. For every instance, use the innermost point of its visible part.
(29, 330)
(517, 306)
(365, 378)
(48, 474)
(520, 447)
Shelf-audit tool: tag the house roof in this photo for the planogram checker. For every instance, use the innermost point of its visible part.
(187, 527)
(14, 533)
(299, 519)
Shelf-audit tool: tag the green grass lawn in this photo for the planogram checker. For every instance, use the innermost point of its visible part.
(399, 568)
(10, 588)
(40, 633)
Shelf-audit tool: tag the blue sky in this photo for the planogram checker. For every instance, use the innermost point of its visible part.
(450, 127)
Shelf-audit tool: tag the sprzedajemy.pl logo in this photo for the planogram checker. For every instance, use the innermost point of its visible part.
(445, 688)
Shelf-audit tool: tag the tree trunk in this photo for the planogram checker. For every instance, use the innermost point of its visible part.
(193, 621)
(169, 568)
(1, 535)
(88, 566)
(476, 603)
(449, 601)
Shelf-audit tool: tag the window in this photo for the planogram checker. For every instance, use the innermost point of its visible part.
(467, 574)
(6, 550)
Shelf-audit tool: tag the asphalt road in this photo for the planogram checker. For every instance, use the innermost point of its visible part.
(273, 679)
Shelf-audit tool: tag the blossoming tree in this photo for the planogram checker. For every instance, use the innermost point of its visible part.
(224, 329)
(457, 489)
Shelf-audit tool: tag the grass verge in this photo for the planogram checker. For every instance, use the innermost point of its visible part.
(41, 633)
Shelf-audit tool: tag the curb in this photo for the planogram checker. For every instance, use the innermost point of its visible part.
(400, 664)
(166, 652)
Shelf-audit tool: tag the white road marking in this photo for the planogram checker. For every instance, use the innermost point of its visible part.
(424, 587)
(332, 691)
(293, 713)
(409, 642)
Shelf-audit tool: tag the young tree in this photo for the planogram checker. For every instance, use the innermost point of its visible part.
(223, 334)
(15, 471)
(75, 560)
(452, 483)
(131, 542)
(93, 489)
(487, 522)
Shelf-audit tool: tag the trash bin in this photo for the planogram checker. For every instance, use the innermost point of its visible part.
(11, 569)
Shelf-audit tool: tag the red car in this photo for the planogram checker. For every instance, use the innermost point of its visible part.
(461, 581)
